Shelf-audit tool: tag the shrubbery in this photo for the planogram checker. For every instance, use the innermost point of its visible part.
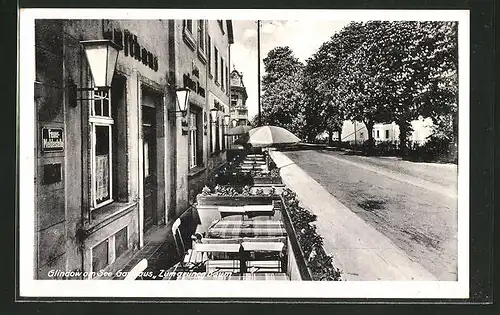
(435, 149)
(318, 261)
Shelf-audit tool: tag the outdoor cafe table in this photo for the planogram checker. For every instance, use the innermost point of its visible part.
(254, 162)
(225, 228)
(217, 248)
(263, 246)
(259, 156)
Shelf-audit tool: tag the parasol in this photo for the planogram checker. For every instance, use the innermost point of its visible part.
(267, 136)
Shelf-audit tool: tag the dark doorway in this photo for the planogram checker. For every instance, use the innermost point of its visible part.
(149, 158)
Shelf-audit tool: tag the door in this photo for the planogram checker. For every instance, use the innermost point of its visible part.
(149, 165)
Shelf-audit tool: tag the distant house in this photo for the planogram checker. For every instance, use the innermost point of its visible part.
(239, 111)
(357, 132)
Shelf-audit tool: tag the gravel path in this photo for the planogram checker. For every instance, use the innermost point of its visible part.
(414, 205)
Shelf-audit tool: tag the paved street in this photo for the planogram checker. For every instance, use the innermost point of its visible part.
(413, 204)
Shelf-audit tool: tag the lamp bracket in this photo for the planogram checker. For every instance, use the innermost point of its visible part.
(174, 113)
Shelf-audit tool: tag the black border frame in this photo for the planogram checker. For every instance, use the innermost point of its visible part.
(482, 156)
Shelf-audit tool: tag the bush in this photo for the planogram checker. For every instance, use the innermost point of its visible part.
(437, 148)
(386, 148)
(310, 241)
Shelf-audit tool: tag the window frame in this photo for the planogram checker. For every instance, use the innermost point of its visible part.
(227, 80)
(222, 73)
(202, 34)
(193, 140)
(209, 55)
(186, 25)
(216, 66)
(102, 121)
(187, 34)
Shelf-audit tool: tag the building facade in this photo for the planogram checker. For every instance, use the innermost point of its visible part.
(239, 111)
(113, 163)
(357, 132)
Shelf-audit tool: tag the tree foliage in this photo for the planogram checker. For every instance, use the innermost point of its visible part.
(374, 72)
(282, 100)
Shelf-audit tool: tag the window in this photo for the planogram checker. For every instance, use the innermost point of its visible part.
(187, 34)
(227, 79)
(223, 135)
(195, 139)
(215, 138)
(209, 54)
(387, 134)
(222, 73)
(378, 134)
(201, 35)
(189, 25)
(201, 41)
(233, 103)
(220, 132)
(107, 145)
(101, 129)
(216, 67)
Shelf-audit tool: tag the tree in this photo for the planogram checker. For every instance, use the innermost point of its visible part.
(321, 79)
(401, 71)
(282, 100)
(423, 68)
(361, 79)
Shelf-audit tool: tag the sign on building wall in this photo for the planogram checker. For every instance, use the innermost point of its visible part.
(52, 140)
(130, 44)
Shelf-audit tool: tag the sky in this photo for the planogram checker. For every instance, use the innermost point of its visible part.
(303, 37)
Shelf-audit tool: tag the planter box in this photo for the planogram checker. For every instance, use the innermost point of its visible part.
(267, 180)
(207, 206)
(233, 200)
(297, 265)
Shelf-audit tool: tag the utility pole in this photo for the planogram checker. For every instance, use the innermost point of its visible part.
(355, 141)
(258, 69)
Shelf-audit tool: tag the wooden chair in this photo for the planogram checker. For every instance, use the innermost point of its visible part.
(189, 257)
(232, 266)
(206, 240)
(255, 266)
(178, 240)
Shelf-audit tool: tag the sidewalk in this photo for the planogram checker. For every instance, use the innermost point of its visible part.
(157, 250)
(358, 249)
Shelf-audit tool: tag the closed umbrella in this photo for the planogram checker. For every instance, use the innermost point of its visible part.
(238, 130)
(267, 136)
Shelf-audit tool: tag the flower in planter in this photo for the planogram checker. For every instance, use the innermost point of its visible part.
(272, 191)
(259, 192)
(246, 191)
(206, 191)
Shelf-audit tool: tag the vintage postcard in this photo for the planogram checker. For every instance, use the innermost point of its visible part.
(244, 153)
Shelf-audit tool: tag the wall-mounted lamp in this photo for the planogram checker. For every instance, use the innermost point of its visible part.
(227, 119)
(102, 55)
(213, 115)
(182, 99)
(234, 122)
(182, 102)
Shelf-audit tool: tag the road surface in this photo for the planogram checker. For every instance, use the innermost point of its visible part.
(412, 204)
